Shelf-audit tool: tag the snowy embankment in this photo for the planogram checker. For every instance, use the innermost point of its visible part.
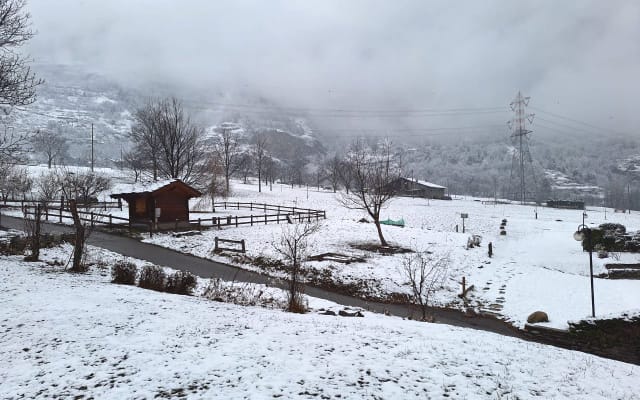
(75, 336)
(536, 266)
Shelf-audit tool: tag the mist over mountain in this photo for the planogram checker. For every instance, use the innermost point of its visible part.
(433, 78)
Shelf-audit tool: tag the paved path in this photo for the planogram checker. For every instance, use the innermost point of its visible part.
(212, 269)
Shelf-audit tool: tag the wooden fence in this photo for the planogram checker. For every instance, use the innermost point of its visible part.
(284, 215)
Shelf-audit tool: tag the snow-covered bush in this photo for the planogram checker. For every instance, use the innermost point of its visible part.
(244, 294)
(152, 277)
(181, 282)
(124, 272)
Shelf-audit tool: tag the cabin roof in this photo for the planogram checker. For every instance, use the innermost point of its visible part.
(424, 183)
(142, 188)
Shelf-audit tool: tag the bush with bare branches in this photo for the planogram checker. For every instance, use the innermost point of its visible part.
(425, 275)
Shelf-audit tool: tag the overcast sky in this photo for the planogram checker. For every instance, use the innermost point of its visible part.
(576, 58)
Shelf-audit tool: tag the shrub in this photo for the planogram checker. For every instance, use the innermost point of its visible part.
(152, 277)
(244, 294)
(181, 282)
(124, 272)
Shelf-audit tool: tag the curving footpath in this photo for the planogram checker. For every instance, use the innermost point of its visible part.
(211, 269)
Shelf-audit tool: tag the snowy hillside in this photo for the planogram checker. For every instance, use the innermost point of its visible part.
(79, 336)
(536, 266)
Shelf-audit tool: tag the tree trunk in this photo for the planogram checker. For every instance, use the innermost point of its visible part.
(78, 247)
(379, 228)
(259, 181)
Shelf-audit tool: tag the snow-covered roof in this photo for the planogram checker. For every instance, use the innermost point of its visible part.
(146, 187)
(425, 183)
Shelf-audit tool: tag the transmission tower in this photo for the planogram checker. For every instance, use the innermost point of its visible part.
(520, 141)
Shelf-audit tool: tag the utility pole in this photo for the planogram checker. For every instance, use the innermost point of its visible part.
(92, 160)
(520, 138)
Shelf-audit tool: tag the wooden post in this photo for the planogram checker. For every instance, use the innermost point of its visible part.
(278, 210)
(278, 218)
(265, 207)
(199, 224)
(464, 285)
(251, 218)
(238, 205)
(215, 248)
(236, 221)
(92, 219)
(265, 219)
(251, 205)
(243, 248)
(225, 205)
(120, 203)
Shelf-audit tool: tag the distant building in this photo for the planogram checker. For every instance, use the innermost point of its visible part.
(163, 202)
(418, 188)
(572, 205)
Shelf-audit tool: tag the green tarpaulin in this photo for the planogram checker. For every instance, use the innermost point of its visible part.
(388, 221)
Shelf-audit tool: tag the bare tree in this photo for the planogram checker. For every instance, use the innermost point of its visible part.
(17, 82)
(345, 175)
(78, 264)
(217, 187)
(425, 275)
(14, 182)
(182, 156)
(294, 245)
(83, 187)
(51, 143)
(136, 163)
(332, 167)
(373, 176)
(228, 150)
(164, 135)
(259, 156)
(145, 134)
(47, 187)
(32, 225)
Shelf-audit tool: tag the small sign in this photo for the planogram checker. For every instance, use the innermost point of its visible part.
(158, 211)
(464, 215)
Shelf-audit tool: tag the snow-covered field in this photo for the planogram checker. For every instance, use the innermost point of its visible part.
(536, 266)
(79, 336)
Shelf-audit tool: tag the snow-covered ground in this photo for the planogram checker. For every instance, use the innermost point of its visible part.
(536, 266)
(79, 336)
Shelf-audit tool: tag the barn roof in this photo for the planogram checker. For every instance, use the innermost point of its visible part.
(424, 183)
(153, 187)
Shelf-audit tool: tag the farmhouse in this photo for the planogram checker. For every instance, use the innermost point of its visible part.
(418, 188)
(164, 202)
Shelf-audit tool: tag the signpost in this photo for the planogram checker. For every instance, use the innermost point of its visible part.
(464, 216)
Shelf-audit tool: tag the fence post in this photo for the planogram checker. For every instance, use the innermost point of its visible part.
(278, 218)
(324, 214)
(60, 214)
(219, 218)
(225, 205)
(264, 207)
(199, 224)
(238, 205)
(242, 242)
(278, 209)
(251, 219)
(110, 221)
(213, 221)
(92, 219)
(120, 203)
(265, 219)
(236, 221)
(251, 205)
(215, 247)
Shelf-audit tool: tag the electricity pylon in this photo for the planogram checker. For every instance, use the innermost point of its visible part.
(520, 141)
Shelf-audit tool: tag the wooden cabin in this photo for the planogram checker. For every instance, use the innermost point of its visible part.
(164, 202)
(418, 188)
